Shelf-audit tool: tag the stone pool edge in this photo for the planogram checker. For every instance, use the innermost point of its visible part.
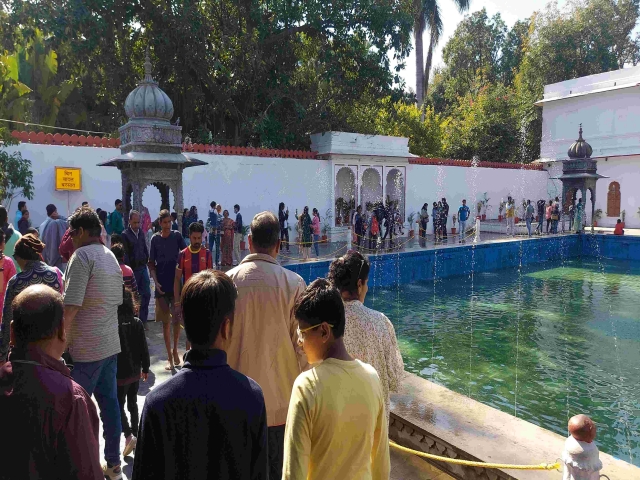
(433, 419)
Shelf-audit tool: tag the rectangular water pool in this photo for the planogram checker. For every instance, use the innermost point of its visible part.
(543, 342)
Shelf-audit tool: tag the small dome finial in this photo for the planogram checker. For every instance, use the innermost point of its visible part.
(580, 133)
(147, 67)
(580, 148)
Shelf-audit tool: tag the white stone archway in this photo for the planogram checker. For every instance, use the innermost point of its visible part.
(371, 186)
(395, 187)
(345, 190)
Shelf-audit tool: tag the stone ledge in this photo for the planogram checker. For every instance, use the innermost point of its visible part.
(434, 419)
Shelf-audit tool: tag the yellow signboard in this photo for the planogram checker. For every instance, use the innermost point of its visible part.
(69, 179)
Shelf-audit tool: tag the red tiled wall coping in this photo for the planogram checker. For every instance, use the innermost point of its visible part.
(91, 141)
(451, 162)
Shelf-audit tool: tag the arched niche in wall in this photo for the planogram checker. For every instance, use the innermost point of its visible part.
(394, 187)
(613, 200)
(345, 194)
(371, 186)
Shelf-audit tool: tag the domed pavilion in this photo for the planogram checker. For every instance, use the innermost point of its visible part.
(151, 147)
(579, 173)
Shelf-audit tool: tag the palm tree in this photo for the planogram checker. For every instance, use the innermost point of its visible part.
(426, 13)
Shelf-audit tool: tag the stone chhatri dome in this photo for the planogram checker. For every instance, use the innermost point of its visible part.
(147, 100)
(580, 148)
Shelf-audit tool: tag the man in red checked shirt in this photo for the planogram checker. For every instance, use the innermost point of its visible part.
(191, 260)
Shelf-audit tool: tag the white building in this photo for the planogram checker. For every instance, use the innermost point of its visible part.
(608, 107)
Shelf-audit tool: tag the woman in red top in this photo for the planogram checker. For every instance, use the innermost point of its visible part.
(548, 214)
(619, 230)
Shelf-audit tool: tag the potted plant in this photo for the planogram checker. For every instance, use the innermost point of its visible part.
(485, 205)
(455, 221)
(349, 208)
(597, 215)
(327, 224)
(410, 219)
(501, 208)
(245, 231)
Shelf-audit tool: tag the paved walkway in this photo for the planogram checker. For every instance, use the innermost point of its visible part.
(404, 466)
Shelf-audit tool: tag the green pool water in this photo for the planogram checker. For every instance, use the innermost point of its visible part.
(543, 343)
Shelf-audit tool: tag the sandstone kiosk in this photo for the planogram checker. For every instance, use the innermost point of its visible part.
(151, 147)
(579, 173)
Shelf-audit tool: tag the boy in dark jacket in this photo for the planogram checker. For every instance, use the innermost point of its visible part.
(133, 364)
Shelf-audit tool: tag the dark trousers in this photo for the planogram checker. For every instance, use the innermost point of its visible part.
(275, 441)
(130, 394)
(284, 237)
(388, 231)
(359, 235)
(373, 242)
(540, 223)
(548, 224)
(444, 227)
(144, 289)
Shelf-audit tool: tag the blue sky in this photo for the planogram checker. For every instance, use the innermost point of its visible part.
(510, 10)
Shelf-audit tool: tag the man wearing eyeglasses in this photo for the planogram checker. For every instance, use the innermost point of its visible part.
(264, 344)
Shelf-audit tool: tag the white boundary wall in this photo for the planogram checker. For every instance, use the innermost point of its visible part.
(259, 183)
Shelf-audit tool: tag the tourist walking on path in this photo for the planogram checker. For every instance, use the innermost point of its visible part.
(528, 216)
(541, 216)
(212, 225)
(374, 230)
(463, 216)
(115, 222)
(24, 223)
(174, 223)
(193, 259)
(511, 213)
(237, 235)
(128, 278)
(93, 291)
(264, 344)
(283, 218)
(358, 225)
(185, 224)
(137, 258)
(387, 215)
(163, 259)
(369, 336)
(51, 232)
(548, 211)
(227, 240)
(7, 271)
(445, 218)
(304, 222)
(315, 228)
(209, 420)
(337, 421)
(424, 222)
(52, 415)
(33, 271)
(133, 365)
(22, 206)
(572, 214)
(555, 217)
(579, 215)
(11, 235)
(435, 218)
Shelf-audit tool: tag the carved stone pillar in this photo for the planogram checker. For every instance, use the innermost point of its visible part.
(179, 197)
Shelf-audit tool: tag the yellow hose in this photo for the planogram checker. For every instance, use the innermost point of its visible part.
(468, 463)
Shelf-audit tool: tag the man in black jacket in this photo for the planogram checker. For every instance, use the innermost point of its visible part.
(445, 217)
(283, 217)
(136, 255)
(208, 420)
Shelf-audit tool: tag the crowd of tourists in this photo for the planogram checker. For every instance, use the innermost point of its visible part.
(279, 379)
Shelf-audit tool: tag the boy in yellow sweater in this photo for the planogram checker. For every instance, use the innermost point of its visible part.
(336, 424)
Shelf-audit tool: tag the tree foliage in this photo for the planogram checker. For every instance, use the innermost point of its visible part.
(16, 178)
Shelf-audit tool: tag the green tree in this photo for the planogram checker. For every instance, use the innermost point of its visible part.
(485, 125)
(400, 119)
(16, 178)
(426, 13)
(14, 102)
